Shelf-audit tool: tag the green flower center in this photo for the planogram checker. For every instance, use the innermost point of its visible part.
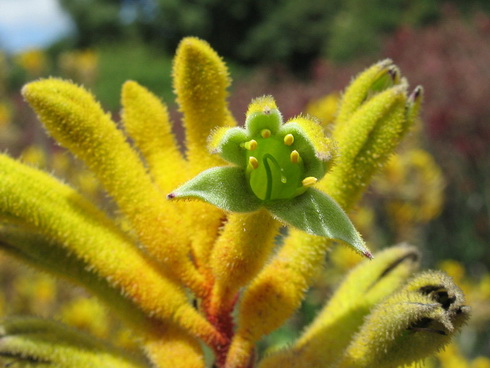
(275, 170)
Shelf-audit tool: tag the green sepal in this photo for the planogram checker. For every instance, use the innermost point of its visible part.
(258, 121)
(413, 105)
(230, 147)
(388, 77)
(35, 342)
(263, 114)
(316, 213)
(362, 87)
(224, 187)
(313, 165)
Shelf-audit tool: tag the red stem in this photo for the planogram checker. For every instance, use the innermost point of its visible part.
(223, 321)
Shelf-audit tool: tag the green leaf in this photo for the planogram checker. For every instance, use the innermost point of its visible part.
(316, 213)
(223, 187)
(34, 342)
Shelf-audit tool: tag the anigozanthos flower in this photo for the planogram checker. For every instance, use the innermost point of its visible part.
(175, 270)
(276, 166)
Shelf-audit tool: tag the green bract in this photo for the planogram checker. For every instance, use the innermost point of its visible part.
(276, 166)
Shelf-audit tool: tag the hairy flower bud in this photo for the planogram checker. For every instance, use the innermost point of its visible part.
(410, 325)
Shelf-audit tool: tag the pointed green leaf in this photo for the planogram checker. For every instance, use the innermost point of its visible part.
(223, 187)
(34, 342)
(316, 213)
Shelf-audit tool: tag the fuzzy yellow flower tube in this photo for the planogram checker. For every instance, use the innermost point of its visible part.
(165, 343)
(276, 293)
(169, 346)
(371, 123)
(201, 80)
(239, 253)
(77, 121)
(147, 122)
(92, 237)
(376, 78)
(49, 343)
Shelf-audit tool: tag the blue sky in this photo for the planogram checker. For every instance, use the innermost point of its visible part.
(28, 24)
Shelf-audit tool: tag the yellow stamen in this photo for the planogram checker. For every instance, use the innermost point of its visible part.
(265, 133)
(289, 139)
(294, 157)
(253, 162)
(250, 145)
(309, 181)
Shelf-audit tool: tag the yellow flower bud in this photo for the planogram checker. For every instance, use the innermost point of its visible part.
(365, 142)
(329, 334)
(146, 120)
(410, 325)
(201, 81)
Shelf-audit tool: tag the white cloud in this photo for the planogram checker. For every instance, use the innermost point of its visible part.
(31, 23)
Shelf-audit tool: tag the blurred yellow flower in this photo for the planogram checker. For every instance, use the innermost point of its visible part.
(412, 185)
(32, 61)
(324, 108)
(86, 314)
(5, 115)
(80, 65)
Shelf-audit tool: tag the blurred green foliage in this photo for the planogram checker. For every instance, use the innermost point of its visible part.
(359, 24)
(148, 66)
(267, 31)
(96, 21)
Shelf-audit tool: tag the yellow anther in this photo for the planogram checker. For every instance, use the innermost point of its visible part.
(289, 139)
(250, 145)
(309, 181)
(253, 162)
(294, 157)
(265, 133)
